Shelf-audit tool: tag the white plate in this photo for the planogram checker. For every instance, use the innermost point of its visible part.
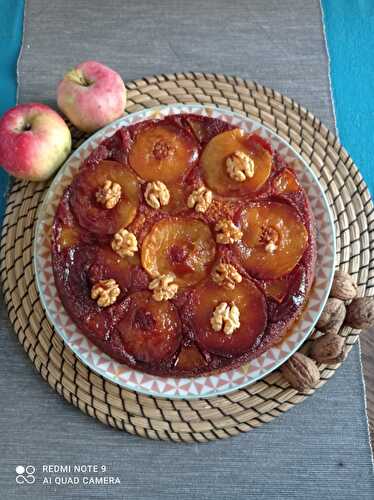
(202, 386)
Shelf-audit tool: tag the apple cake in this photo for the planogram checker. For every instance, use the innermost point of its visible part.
(184, 246)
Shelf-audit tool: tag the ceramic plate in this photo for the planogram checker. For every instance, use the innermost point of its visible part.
(202, 386)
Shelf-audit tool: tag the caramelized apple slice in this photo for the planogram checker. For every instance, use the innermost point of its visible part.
(69, 236)
(107, 264)
(253, 317)
(163, 153)
(276, 289)
(181, 245)
(294, 299)
(178, 199)
(205, 128)
(285, 182)
(190, 358)
(220, 149)
(150, 330)
(274, 239)
(71, 276)
(93, 215)
(66, 231)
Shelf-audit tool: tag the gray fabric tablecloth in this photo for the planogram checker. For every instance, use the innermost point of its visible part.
(318, 450)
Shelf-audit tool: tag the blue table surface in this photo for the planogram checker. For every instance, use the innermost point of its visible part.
(11, 22)
(349, 30)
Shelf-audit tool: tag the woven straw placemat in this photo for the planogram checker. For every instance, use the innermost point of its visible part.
(203, 419)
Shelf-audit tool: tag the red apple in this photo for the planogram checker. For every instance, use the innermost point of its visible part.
(34, 141)
(91, 96)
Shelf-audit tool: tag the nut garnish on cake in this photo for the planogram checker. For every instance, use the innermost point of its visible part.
(163, 287)
(200, 199)
(226, 318)
(240, 166)
(227, 232)
(156, 194)
(109, 194)
(226, 275)
(105, 292)
(124, 243)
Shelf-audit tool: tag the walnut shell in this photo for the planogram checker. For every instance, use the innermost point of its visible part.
(360, 313)
(328, 349)
(344, 286)
(301, 372)
(332, 316)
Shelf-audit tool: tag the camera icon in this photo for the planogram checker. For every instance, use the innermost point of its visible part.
(25, 474)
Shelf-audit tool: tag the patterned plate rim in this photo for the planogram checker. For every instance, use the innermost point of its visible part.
(186, 387)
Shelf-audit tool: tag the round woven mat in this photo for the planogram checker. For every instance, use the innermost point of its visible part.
(198, 420)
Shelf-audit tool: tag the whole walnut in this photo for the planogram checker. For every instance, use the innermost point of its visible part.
(360, 313)
(332, 316)
(301, 372)
(328, 349)
(344, 286)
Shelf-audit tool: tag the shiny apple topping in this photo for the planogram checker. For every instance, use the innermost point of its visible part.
(274, 239)
(226, 318)
(163, 287)
(200, 199)
(227, 232)
(240, 166)
(163, 152)
(226, 275)
(109, 194)
(150, 331)
(183, 246)
(156, 194)
(226, 163)
(248, 299)
(105, 292)
(124, 243)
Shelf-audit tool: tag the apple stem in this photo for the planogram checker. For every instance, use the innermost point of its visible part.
(76, 75)
(23, 127)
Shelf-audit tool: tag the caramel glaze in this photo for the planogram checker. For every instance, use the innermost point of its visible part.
(80, 257)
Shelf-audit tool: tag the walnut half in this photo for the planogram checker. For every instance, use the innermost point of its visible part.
(109, 194)
(124, 243)
(156, 194)
(227, 232)
(240, 166)
(225, 318)
(200, 199)
(226, 275)
(164, 287)
(105, 292)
